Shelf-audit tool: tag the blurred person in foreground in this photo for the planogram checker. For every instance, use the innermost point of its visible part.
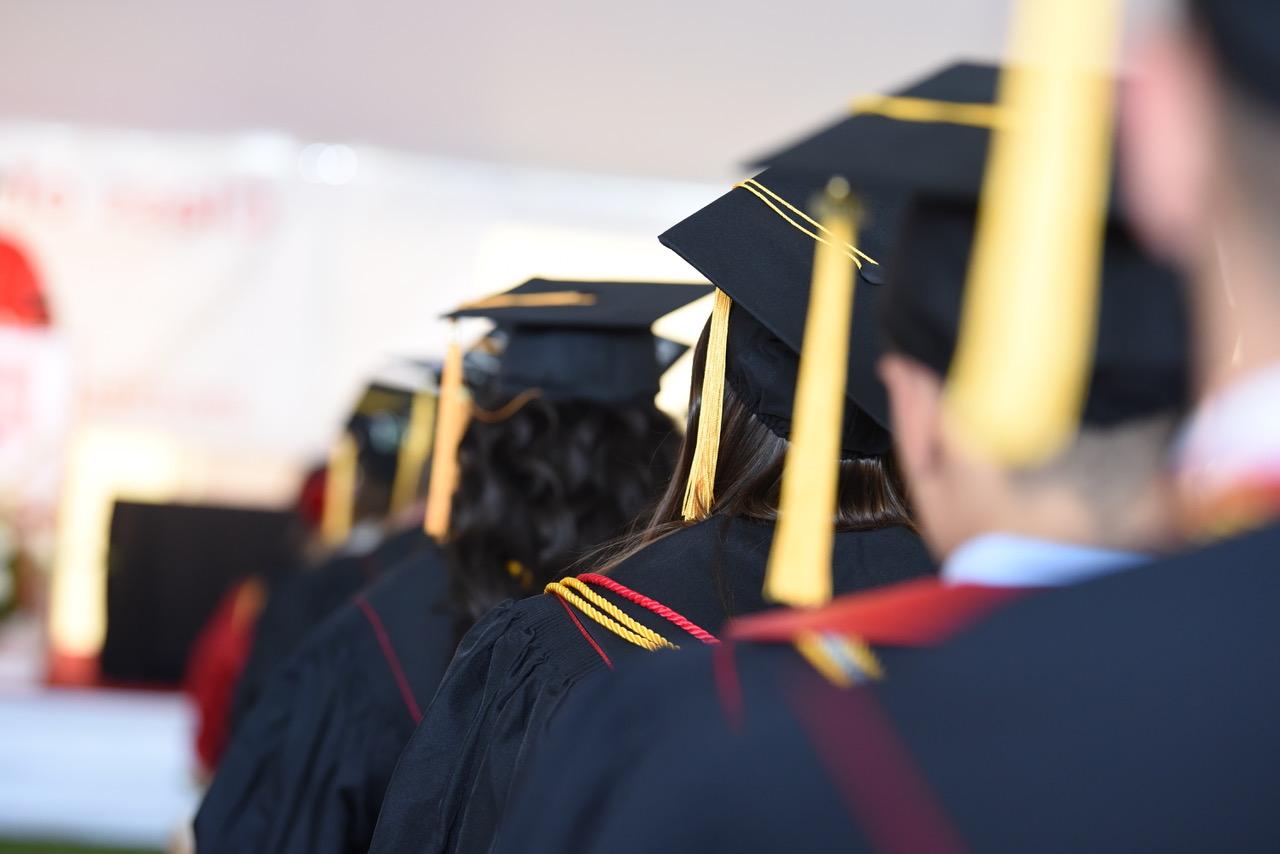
(1056, 693)
(1202, 127)
(564, 447)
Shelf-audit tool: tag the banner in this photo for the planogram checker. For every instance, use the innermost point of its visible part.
(215, 303)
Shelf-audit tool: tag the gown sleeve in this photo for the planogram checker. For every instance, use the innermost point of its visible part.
(295, 777)
(454, 777)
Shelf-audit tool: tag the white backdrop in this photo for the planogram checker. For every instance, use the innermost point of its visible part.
(221, 299)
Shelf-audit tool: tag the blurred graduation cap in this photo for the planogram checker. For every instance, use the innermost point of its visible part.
(1243, 35)
(1041, 161)
(938, 130)
(381, 419)
(561, 340)
(1140, 358)
(927, 146)
(387, 435)
(951, 110)
(573, 340)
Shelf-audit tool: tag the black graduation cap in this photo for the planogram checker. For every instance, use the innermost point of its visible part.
(575, 340)
(934, 133)
(927, 145)
(1244, 34)
(875, 126)
(756, 243)
(382, 414)
(1140, 359)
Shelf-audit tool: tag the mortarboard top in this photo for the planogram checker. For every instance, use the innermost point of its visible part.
(932, 135)
(573, 340)
(857, 145)
(1243, 34)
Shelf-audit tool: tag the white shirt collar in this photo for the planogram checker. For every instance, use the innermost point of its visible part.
(1233, 435)
(1008, 560)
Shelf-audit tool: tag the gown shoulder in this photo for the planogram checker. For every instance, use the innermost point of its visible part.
(1132, 712)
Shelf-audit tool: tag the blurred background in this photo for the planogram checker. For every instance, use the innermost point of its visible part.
(218, 220)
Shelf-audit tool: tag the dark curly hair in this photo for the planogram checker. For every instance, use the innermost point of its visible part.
(541, 488)
(749, 478)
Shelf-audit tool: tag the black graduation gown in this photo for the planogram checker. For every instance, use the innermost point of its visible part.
(1133, 713)
(519, 663)
(307, 770)
(299, 601)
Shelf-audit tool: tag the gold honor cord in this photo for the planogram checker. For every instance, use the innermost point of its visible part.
(340, 491)
(1018, 382)
(546, 299)
(773, 200)
(502, 413)
(799, 570)
(451, 424)
(905, 109)
(699, 489)
(612, 618)
(415, 448)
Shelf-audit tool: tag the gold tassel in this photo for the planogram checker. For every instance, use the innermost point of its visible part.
(451, 424)
(340, 491)
(415, 447)
(799, 570)
(1020, 375)
(699, 489)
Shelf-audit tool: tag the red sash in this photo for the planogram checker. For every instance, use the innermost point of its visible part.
(923, 612)
(869, 766)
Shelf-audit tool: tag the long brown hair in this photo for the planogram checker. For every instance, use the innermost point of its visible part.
(871, 495)
(540, 489)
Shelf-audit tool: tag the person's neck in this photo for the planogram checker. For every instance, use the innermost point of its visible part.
(1061, 515)
(1236, 309)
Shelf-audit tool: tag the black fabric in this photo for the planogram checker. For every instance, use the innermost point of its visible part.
(611, 366)
(378, 424)
(765, 264)
(168, 565)
(1244, 34)
(1141, 362)
(299, 601)
(762, 372)
(601, 350)
(876, 153)
(307, 770)
(517, 666)
(1132, 713)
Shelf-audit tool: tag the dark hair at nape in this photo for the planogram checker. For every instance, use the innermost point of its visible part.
(872, 494)
(541, 488)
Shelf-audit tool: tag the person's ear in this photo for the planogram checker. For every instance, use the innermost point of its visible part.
(915, 408)
(1167, 142)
